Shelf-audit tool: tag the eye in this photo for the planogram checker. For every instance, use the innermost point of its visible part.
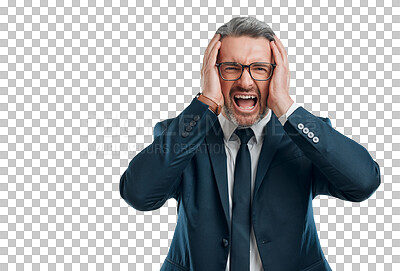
(261, 68)
(231, 68)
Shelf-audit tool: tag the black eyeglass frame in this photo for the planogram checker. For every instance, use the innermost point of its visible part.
(245, 66)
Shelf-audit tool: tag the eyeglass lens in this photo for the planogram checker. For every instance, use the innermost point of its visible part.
(259, 71)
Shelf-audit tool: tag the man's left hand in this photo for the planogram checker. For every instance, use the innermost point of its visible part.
(278, 98)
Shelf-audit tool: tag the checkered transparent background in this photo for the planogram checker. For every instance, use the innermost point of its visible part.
(82, 83)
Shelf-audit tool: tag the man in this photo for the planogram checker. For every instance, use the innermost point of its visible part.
(245, 179)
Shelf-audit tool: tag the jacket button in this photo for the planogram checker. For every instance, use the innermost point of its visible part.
(300, 126)
(192, 123)
(188, 128)
(315, 139)
(185, 134)
(226, 242)
(305, 130)
(196, 118)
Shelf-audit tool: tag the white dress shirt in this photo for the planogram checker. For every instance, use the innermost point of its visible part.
(232, 144)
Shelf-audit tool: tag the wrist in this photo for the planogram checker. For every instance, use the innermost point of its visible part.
(213, 105)
(218, 99)
(282, 107)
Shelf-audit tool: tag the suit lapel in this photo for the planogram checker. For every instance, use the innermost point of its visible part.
(216, 150)
(273, 133)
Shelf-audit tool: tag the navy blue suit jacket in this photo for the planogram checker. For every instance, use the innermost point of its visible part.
(189, 165)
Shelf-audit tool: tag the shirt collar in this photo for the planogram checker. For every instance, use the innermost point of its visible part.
(229, 127)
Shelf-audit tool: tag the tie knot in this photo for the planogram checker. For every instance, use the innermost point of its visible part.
(244, 135)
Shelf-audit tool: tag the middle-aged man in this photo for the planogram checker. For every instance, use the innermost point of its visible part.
(245, 179)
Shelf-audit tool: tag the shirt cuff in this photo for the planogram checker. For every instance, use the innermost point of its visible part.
(285, 116)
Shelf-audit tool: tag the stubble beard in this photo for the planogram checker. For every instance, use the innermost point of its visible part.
(231, 116)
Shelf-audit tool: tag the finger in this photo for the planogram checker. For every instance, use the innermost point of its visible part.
(273, 59)
(211, 45)
(205, 56)
(283, 59)
(279, 43)
(281, 48)
(276, 54)
(209, 48)
(212, 56)
(214, 53)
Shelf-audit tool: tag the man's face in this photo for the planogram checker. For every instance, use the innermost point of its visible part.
(245, 50)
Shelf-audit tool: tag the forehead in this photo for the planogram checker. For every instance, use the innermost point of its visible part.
(244, 50)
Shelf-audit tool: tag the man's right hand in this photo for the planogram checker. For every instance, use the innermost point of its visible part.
(210, 84)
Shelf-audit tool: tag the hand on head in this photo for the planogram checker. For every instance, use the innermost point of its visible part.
(210, 84)
(278, 95)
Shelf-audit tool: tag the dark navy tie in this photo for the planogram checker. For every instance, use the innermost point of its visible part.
(241, 207)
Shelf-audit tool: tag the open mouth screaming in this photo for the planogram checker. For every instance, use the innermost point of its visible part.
(245, 103)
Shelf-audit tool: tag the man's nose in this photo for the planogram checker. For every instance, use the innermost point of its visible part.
(245, 80)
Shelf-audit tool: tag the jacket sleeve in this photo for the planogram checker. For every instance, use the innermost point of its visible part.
(342, 168)
(153, 176)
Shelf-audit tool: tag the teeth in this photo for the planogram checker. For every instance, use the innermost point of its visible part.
(245, 97)
(247, 107)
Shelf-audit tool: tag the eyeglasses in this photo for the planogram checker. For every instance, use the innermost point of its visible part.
(232, 71)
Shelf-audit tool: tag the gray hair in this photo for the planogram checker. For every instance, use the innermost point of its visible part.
(246, 26)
